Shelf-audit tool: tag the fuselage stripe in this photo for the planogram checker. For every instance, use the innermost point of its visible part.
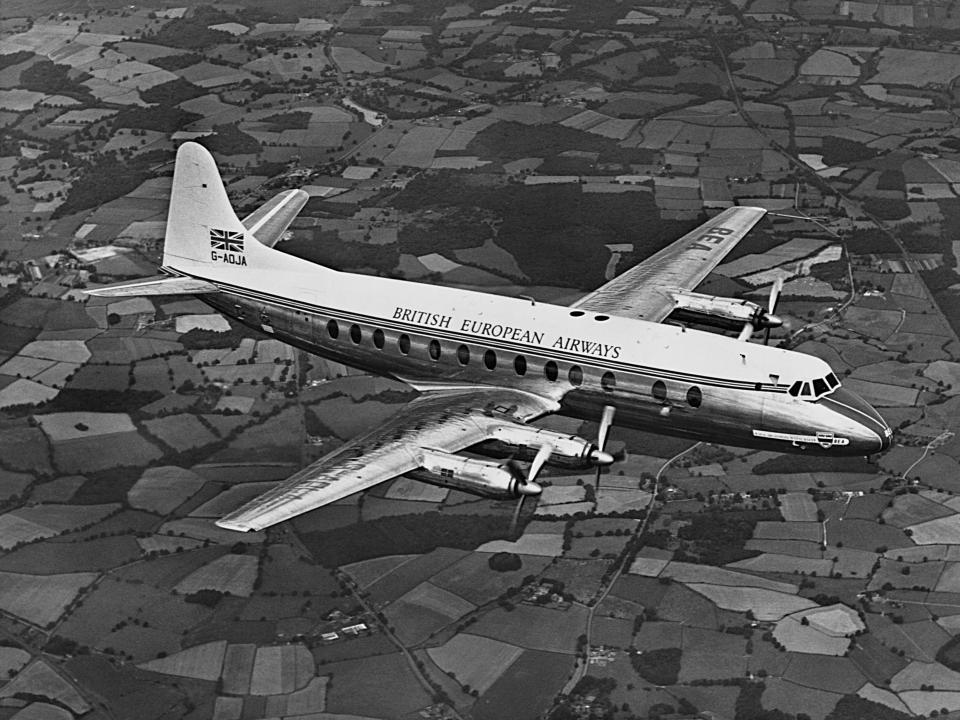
(535, 350)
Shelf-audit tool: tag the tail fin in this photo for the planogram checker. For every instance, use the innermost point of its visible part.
(202, 227)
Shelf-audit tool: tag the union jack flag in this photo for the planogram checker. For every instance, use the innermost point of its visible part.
(226, 240)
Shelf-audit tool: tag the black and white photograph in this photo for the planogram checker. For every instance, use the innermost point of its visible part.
(479, 360)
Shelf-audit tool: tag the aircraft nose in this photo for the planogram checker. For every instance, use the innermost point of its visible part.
(873, 434)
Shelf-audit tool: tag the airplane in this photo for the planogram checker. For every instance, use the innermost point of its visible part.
(486, 366)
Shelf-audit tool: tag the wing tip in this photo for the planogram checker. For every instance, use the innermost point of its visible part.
(236, 525)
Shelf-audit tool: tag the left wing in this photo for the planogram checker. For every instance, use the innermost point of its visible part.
(646, 290)
(445, 420)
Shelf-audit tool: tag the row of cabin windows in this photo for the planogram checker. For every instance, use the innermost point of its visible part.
(551, 371)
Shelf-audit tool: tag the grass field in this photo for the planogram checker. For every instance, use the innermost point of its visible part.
(181, 432)
(798, 507)
(81, 455)
(367, 572)
(833, 674)
(693, 573)
(792, 698)
(238, 663)
(534, 627)
(281, 669)
(472, 579)
(162, 489)
(42, 521)
(799, 638)
(919, 673)
(40, 599)
(73, 425)
(424, 610)
(944, 530)
(910, 509)
(394, 584)
(40, 679)
(545, 545)
(12, 659)
(202, 662)
(396, 692)
(234, 574)
(533, 680)
(51, 558)
(656, 635)
(708, 654)
(765, 604)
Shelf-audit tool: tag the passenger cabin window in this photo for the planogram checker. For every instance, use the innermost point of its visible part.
(403, 342)
(463, 355)
(355, 334)
(434, 349)
(608, 381)
(575, 375)
(550, 370)
(490, 360)
(659, 391)
(694, 397)
(379, 340)
(333, 329)
(520, 365)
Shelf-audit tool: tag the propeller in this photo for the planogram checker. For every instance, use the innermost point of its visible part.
(526, 484)
(764, 318)
(600, 457)
(772, 320)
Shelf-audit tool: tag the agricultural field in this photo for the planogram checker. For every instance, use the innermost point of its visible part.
(148, 425)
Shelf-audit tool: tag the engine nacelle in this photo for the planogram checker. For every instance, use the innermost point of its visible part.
(482, 477)
(721, 312)
(523, 441)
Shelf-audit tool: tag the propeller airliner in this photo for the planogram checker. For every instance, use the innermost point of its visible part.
(486, 366)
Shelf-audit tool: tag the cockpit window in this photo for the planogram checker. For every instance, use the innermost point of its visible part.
(815, 389)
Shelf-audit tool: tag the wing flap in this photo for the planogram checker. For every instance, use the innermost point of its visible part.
(646, 290)
(449, 421)
(162, 285)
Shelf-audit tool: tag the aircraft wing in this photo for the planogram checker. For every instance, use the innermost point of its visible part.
(646, 290)
(269, 221)
(448, 420)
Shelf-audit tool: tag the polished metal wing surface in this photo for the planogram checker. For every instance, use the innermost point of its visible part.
(448, 420)
(646, 290)
(268, 222)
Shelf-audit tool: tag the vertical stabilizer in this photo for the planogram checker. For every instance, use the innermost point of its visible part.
(202, 228)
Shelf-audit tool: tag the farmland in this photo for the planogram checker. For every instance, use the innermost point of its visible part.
(537, 151)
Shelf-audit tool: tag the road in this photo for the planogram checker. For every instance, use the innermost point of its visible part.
(933, 444)
(581, 669)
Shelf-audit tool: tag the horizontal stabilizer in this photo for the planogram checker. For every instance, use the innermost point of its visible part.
(155, 286)
(271, 220)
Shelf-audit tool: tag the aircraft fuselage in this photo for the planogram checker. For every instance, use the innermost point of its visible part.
(428, 350)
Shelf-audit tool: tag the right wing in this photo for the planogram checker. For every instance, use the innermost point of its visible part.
(647, 289)
(269, 221)
(444, 420)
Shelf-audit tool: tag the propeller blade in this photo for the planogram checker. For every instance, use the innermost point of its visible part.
(606, 420)
(766, 336)
(516, 515)
(747, 332)
(775, 295)
(543, 454)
